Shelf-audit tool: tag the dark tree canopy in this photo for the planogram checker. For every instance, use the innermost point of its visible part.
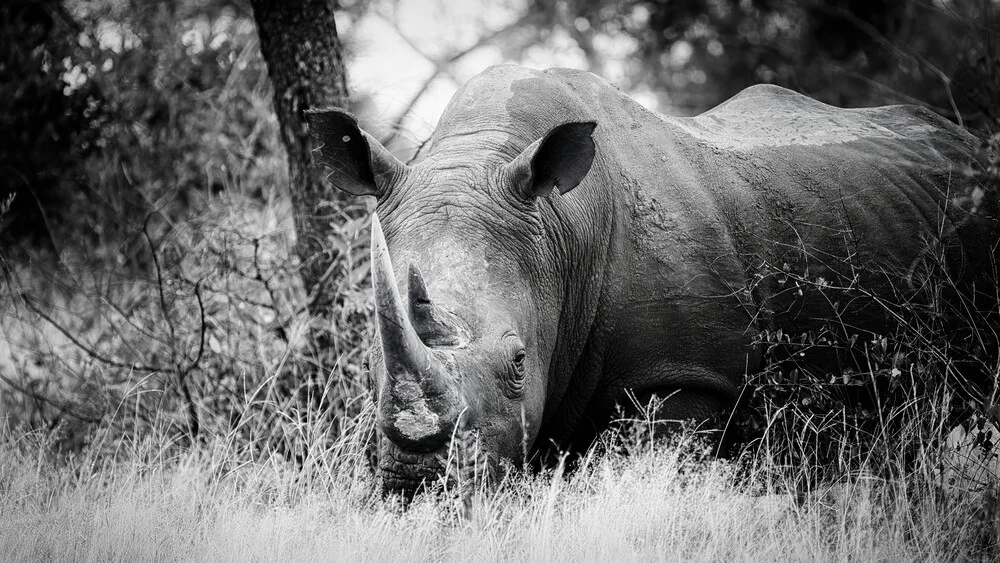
(100, 134)
(46, 128)
(697, 53)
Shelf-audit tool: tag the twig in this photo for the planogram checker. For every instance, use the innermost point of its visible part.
(279, 324)
(875, 34)
(441, 66)
(87, 349)
(159, 287)
(39, 398)
(204, 324)
(182, 374)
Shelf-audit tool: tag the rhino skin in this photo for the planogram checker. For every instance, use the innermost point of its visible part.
(510, 318)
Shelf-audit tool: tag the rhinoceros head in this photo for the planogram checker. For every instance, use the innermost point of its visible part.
(467, 307)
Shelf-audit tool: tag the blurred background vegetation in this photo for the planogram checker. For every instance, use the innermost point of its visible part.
(146, 234)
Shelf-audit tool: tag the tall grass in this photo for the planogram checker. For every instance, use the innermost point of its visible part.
(663, 501)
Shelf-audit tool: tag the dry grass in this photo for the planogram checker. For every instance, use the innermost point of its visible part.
(665, 502)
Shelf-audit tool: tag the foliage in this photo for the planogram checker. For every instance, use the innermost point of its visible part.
(48, 125)
(895, 394)
(174, 298)
(192, 115)
(209, 342)
(695, 54)
(128, 110)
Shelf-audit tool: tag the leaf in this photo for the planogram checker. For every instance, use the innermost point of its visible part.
(214, 345)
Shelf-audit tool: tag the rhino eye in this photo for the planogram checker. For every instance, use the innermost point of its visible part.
(519, 362)
(514, 376)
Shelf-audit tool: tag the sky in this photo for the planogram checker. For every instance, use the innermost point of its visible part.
(392, 51)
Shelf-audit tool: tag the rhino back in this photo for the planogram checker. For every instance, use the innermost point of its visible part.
(772, 180)
(836, 196)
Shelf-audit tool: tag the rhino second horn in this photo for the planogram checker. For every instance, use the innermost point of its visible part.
(420, 406)
(431, 323)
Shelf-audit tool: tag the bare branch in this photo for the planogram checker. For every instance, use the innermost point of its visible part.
(278, 322)
(203, 329)
(87, 349)
(441, 66)
(159, 287)
(62, 407)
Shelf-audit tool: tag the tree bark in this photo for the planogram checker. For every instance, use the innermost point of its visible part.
(300, 45)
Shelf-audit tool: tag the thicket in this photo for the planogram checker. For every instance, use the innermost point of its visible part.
(167, 295)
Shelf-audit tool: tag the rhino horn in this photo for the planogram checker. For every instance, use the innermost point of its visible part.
(433, 325)
(420, 408)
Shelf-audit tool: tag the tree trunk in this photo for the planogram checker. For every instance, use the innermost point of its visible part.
(303, 54)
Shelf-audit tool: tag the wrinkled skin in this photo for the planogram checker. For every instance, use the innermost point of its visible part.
(556, 246)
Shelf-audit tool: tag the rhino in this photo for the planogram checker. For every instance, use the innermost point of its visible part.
(556, 250)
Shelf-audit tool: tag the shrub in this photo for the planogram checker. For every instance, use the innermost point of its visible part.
(888, 397)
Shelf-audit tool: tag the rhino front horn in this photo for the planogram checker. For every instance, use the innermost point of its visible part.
(419, 405)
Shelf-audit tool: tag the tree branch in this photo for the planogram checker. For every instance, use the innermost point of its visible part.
(441, 66)
(87, 349)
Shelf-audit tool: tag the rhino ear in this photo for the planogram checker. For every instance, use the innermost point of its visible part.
(359, 164)
(560, 160)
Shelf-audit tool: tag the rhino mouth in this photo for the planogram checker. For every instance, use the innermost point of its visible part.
(451, 467)
(407, 473)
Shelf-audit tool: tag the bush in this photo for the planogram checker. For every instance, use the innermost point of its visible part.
(211, 342)
(880, 401)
